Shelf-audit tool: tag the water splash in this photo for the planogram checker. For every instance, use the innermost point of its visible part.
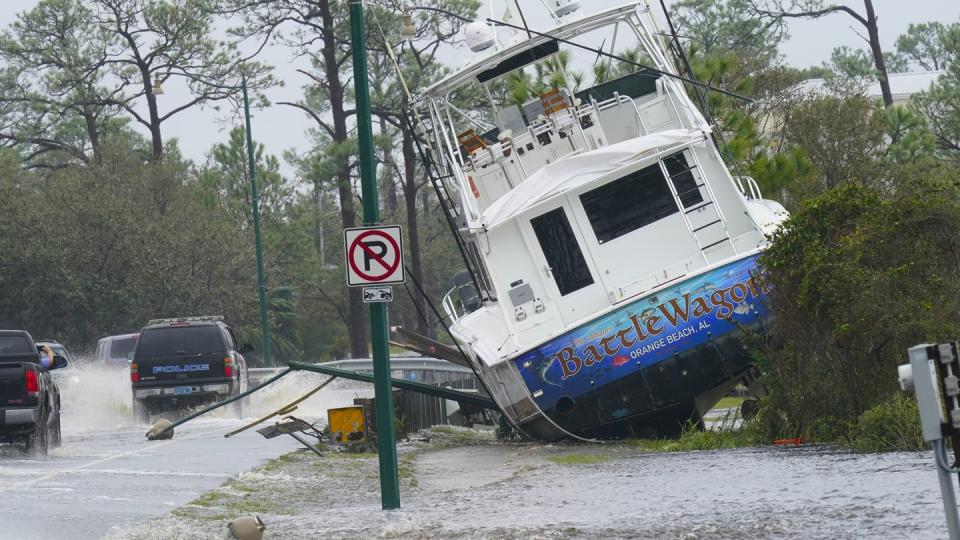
(339, 393)
(93, 398)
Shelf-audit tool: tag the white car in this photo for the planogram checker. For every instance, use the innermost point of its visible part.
(114, 351)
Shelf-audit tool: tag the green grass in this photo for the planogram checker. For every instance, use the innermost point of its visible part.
(579, 459)
(276, 464)
(728, 402)
(693, 438)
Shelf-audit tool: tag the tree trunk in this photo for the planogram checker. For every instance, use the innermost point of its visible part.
(413, 234)
(357, 313)
(155, 137)
(318, 223)
(93, 132)
(877, 51)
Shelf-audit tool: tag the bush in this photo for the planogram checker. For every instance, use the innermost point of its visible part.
(858, 276)
(891, 425)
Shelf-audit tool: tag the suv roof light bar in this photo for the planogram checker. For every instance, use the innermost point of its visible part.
(186, 319)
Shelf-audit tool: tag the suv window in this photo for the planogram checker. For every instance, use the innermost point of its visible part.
(180, 340)
(14, 345)
(228, 338)
(120, 348)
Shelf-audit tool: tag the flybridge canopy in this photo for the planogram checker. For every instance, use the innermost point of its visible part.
(490, 66)
(576, 171)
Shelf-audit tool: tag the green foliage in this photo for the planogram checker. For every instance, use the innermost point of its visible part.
(922, 44)
(859, 64)
(225, 181)
(940, 105)
(99, 249)
(840, 137)
(852, 289)
(891, 425)
(724, 27)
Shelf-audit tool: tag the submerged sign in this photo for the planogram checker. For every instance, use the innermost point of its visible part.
(645, 332)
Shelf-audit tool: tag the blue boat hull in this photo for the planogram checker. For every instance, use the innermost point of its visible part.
(640, 370)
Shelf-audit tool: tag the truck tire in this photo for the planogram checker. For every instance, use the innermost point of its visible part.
(37, 441)
(141, 413)
(55, 437)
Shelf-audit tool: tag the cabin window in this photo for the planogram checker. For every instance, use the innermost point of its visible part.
(562, 251)
(683, 180)
(627, 204)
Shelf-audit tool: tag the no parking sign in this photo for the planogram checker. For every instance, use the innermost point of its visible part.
(374, 255)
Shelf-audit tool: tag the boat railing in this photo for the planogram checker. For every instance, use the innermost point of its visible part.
(450, 301)
(568, 122)
(618, 100)
(748, 187)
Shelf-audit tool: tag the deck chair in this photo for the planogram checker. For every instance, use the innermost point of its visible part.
(553, 102)
(471, 142)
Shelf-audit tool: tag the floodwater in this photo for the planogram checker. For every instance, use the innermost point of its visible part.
(107, 477)
(496, 490)
(108, 481)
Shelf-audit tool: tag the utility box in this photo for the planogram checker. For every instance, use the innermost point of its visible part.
(348, 425)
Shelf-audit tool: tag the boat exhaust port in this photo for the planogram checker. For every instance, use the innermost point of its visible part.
(932, 375)
(565, 404)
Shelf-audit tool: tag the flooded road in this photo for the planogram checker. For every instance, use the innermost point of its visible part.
(108, 477)
(108, 481)
(750, 493)
(521, 491)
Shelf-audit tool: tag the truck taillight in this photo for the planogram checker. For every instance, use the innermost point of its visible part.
(228, 367)
(33, 386)
(134, 372)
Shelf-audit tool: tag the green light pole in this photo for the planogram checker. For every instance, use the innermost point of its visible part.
(261, 286)
(389, 481)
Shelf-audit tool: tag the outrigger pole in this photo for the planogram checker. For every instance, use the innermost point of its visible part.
(601, 52)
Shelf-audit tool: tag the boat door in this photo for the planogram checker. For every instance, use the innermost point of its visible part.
(556, 243)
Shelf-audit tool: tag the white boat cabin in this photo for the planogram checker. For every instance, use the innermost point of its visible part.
(578, 202)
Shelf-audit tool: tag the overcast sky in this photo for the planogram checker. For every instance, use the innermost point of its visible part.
(281, 128)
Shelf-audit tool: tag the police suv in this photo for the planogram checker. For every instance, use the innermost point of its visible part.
(184, 362)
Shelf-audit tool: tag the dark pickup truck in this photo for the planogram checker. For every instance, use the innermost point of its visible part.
(185, 362)
(29, 397)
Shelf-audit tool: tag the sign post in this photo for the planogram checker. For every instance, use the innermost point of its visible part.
(371, 257)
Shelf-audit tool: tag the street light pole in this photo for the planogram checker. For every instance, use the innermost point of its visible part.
(261, 285)
(389, 481)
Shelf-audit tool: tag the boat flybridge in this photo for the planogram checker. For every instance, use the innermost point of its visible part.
(611, 255)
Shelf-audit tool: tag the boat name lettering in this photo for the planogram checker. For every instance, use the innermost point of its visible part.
(676, 312)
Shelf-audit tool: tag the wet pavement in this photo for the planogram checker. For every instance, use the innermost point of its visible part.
(108, 481)
(108, 477)
(494, 490)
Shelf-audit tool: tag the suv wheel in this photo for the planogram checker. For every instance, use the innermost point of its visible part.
(141, 412)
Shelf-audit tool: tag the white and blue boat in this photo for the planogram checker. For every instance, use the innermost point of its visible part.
(612, 257)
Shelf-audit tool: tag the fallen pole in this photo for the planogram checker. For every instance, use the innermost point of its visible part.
(423, 388)
(227, 401)
(288, 408)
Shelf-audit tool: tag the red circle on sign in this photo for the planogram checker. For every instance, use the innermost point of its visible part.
(358, 243)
